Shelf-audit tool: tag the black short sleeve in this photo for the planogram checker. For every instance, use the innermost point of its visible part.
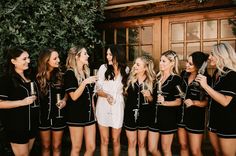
(228, 85)
(70, 81)
(4, 88)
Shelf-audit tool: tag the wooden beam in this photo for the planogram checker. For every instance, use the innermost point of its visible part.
(115, 2)
(121, 5)
(163, 8)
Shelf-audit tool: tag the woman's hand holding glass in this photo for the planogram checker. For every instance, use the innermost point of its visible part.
(202, 80)
(146, 93)
(91, 79)
(160, 99)
(29, 100)
(33, 93)
(61, 104)
(110, 99)
(188, 103)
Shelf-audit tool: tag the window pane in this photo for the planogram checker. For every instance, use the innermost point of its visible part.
(207, 46)
(179, 49)
(232, 43)
(226, 29)
(146, 35)
(121, 36)
(193, 31)
(192, 47)
(177, 32)
(109, 36)
(133, 35)
(133, 52)
(209, 29)
(147, 49)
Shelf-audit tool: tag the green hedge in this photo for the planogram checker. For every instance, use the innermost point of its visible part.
(36, 24)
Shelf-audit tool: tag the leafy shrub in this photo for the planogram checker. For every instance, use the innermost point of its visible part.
(36, 24)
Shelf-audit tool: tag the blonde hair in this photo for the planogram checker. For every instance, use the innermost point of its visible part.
(71, 63)
(172, 57)
(225, 55)
(150, 73)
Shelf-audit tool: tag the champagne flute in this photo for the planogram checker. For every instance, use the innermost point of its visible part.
(144, 88)
(159, 92)
(110, 98)
(95, 72)
(181, 93)
(200, 71)
(33, 92)
(58, 96)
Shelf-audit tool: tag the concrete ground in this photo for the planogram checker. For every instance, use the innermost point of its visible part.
(5, 149)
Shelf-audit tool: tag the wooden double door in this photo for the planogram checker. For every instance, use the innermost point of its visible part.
(183, 33)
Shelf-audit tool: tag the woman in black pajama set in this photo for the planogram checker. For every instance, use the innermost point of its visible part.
(164, 121)
(80, 111)
(192, 117)
(19, 118)
(136, 116)
(52, 124)
(223, 93)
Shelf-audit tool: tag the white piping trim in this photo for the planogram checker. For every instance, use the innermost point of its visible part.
(80, 124)
(168, 131)
(226, 135)
(70, 88)
(194, 130)
(4, 96)
(225, 91)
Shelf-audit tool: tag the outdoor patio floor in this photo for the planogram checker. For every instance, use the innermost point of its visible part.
(5, 149)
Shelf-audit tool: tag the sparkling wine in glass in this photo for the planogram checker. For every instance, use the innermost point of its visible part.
(110, 99)
(58, 106)
(181, 93)
(144, 88)
(201, 71)
(33, 92)
(95, 72)
(159, 92)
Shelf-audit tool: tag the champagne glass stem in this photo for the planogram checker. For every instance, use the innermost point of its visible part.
(59, 112)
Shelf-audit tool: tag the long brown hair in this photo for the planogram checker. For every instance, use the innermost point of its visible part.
(43, 68)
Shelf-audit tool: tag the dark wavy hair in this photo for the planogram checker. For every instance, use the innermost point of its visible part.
(9, 67)
(199, 58)
(118, 54)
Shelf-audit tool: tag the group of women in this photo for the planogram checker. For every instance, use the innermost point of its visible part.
(151, 106)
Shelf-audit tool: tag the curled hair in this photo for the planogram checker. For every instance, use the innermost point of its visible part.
(71, 63)
(149, 72)
(43, 69)
(118, 56)
(172, 57)
(225, 55)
